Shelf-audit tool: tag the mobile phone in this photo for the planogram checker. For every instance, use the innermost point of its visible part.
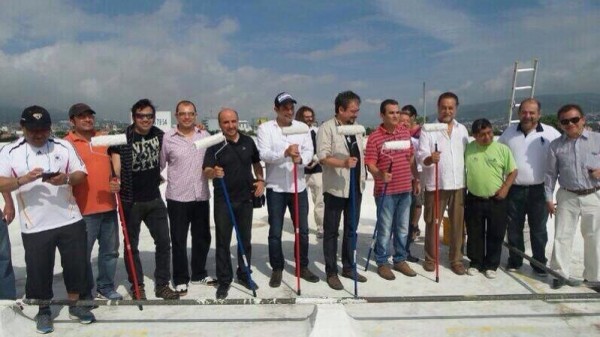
(48, 175)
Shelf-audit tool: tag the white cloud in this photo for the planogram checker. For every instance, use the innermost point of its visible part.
(347, 47)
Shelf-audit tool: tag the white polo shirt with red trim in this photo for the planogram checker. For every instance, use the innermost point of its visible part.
(42, 206)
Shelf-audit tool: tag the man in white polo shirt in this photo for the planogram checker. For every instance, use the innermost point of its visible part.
(529, 142)
(280, 153)
(41, 170)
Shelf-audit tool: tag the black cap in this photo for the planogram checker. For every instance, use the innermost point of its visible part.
(283, 98)
(35, 117)
(80, 108)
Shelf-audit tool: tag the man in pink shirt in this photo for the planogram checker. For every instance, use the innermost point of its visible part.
(187, 197)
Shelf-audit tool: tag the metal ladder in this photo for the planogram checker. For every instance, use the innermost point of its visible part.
(519, 92)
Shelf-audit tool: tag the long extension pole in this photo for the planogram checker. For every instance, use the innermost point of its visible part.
(240, 245)
(128, 251)
(297, 229)
(353, 226)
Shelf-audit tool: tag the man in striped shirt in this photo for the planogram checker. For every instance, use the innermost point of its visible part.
(187, 197)
(393, 205)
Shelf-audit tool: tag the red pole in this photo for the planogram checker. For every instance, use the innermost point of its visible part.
(297, 228)
(128, 252)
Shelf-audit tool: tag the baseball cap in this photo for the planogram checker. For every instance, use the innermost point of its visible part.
(283, 98)
(35, 117)
(80, 108)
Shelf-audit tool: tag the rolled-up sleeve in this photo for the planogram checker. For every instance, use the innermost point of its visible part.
(551, 174)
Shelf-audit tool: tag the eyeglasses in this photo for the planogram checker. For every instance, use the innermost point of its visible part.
(573, 120)
(144, 116)
(186, 114)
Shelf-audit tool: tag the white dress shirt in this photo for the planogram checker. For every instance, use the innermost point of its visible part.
(272, 143)
(451, 167)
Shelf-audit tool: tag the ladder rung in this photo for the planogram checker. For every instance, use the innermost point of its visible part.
(522, 70)
(526, 87)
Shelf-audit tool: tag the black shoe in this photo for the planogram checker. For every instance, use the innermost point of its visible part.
(222, 291)
(308, 275)
(558, 283)
(412, 259)
(275, 280)
(248, 284)
(539, 272)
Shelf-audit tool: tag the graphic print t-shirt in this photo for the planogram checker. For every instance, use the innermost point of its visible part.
(145, 167)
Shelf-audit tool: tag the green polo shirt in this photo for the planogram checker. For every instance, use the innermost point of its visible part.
(487, 167)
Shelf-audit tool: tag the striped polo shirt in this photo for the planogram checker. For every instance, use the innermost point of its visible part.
(401, 174)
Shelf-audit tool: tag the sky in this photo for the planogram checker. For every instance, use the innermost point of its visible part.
(240, 54)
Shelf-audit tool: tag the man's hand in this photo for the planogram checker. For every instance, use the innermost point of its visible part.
(58, 180)
(259, 188)
(9, 212)
(595, 173)
(416, 186)
(551, 208)
(32, 175)
(292, 151)
(434, 158)
(350, 162)
(114, 185)
(385, 176)
(501, 193)
(218, 172)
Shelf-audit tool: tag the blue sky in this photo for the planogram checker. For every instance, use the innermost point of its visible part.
(110, 53)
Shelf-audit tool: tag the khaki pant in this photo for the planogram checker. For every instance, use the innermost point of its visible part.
(315, 185)
(454, 201)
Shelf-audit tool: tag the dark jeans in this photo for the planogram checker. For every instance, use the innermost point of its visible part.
(223, 230)
(334, 207)
(154, 215)
(276, 206)
(40, 250)
(8, 290)
(530, 201)
(486, 225)
(192, 216)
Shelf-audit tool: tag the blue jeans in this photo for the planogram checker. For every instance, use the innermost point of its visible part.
(7, 275)
(103, 227)
(394, 211)
(276, 205)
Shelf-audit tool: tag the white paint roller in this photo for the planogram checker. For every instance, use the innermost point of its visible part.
(351, 130)
(109, 140)
(435, 127)
(295, 129)
(397, 145)
(209, 141)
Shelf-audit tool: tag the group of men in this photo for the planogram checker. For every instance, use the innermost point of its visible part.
(69, 193)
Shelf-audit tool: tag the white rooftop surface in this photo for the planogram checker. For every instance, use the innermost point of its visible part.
(524, 317)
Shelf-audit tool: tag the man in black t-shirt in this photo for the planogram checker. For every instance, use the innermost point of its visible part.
(232, 161)
(137, 165)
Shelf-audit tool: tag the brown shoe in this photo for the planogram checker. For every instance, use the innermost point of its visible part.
(350, 274)
(428, 265)
(308, 275)
(165, 292)
(386, 272)
(458, 269)
(334, 282)
(404, 268)
(275, 280)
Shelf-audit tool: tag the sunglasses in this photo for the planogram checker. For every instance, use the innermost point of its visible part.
(573, 120)
(144, 116)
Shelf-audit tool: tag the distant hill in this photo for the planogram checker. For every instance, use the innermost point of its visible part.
(498, 110)
(10, 114)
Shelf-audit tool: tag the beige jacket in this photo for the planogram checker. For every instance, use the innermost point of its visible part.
(336, 181)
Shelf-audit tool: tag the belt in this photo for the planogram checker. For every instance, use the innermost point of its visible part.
(475, 197)
(584, 192)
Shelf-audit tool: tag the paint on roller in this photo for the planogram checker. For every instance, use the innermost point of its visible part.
(433, 127)
(350, 130)
(109, 140)
(397, 145)
(209, 141)
(295, 129)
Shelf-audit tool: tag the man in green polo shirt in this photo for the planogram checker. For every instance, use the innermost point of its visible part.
(490, 170)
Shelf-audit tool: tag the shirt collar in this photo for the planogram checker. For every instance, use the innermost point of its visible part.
(538, 128)
(176, 131)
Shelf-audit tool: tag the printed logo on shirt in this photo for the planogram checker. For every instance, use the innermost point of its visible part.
(145, 154)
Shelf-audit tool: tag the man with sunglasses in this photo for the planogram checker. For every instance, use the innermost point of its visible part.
(137, 165)
(187, 197)
(96, 201)
(42, 169)
(529, 142)
(574, 160)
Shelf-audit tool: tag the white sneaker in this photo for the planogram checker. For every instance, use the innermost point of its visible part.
(491, 274)
(181, 289)
(207, 281)
(472, 271)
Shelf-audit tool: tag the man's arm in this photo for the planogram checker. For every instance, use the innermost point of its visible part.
(259, 184)
(503, 191)
(9, 208)
(9, 184)
(324, 151)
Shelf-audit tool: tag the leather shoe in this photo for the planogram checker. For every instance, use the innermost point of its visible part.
(412, 259)
(558, 283)
(222, 291)
(386, 272)
(429, 265)
(458, 269)
(350, 274)
(334, 282)
(308, 275)
(404, 268)
(275, 280)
